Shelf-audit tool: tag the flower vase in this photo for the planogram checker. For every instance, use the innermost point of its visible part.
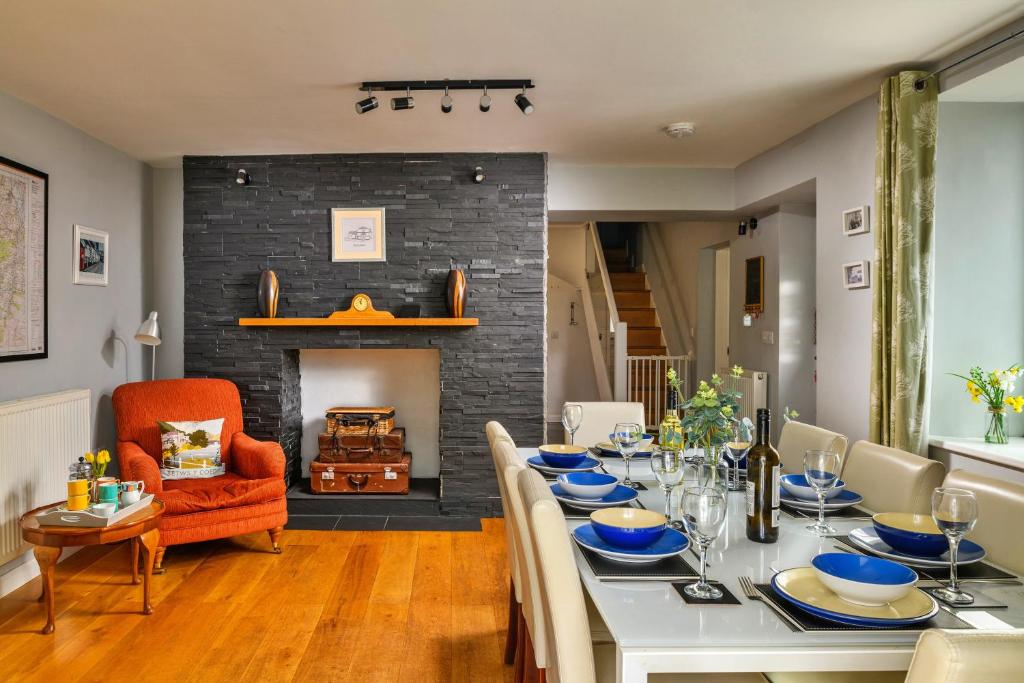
(996, 432)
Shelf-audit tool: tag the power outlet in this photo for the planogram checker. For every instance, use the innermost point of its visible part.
(767, 337)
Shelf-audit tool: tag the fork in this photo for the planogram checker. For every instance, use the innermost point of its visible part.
(747, 586)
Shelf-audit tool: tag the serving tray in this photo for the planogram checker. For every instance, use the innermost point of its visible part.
(59, 516)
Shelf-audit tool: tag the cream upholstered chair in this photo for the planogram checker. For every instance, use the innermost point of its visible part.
(599, 418)
(962, 656)
(798, 437)
(892, 480)
(1000, 511)
(572, 654)
(495, 434)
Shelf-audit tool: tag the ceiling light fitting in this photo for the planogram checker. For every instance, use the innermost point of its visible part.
(369, 104)
(485, 101)
(447, 103)
(683, 129)
(523, 102)
(401, 103)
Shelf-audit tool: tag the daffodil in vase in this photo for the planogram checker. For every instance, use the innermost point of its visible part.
(99, 462)
(995, 389)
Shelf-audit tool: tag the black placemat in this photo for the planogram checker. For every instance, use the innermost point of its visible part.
(852, 512)
(727, 597)
(980, 601)
(974, 570)
(673, 568)
(803, 621)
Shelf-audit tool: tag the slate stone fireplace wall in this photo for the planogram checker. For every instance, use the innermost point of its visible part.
(436, 217)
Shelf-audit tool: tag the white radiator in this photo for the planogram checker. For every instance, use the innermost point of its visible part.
(39, 438)
(754, 387)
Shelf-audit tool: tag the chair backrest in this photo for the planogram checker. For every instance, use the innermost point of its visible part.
(892, 480)
(1000, 511)
(965, 656)
(139, 405)
(495, 434)
(798, 437)
(533, 611)
(599, 418)
(570, 656)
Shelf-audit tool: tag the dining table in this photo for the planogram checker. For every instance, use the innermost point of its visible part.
(655, 631)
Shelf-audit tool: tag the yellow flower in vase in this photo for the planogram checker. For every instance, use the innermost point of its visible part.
(1015, 402)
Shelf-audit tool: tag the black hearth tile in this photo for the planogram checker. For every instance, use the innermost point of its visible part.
(361, 523)
(397, 523)
(312, 522)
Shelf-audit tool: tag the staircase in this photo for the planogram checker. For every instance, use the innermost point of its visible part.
(635, 306)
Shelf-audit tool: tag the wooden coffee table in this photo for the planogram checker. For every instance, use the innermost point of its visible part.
(141, 527)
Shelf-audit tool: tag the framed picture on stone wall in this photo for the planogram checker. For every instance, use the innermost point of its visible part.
(357, 235)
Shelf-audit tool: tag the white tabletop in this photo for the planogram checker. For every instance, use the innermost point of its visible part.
(655, 630)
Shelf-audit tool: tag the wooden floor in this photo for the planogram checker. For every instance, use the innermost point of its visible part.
(335, 606)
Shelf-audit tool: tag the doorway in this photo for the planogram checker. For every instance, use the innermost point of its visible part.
(722, 307)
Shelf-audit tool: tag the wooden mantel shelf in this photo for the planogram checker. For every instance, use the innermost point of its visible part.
(358, 321)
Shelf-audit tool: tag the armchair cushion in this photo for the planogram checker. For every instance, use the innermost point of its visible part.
(137, 464)
(186, 496)
(257, 459)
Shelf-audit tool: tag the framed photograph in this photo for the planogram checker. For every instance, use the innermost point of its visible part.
(91, 263)
(24, 204)
(856, 275)
(856, 221)
(753, 294)
(357, 235)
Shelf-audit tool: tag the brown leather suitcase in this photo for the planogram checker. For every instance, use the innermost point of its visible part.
(371, 477)
(350, 448)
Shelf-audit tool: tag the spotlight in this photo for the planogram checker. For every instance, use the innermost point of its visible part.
(753, 224)
(478, 175)
(485, 101)
(243, 177)
(743, 228)
(446, 102)
(400, 103)
(524, 103)
(369, 104)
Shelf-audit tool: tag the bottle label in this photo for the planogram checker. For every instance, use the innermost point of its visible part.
(775, 517)
(750, 499)
(776, 484)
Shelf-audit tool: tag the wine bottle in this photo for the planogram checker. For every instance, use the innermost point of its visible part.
(670, 432)
(763, 470)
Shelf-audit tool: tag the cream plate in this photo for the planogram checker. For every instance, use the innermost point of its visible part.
(803, 585)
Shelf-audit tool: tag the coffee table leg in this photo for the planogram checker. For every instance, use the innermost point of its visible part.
(47, 558)
(148, 541)
(135, 561)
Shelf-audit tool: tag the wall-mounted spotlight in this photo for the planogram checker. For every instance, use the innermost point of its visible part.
(485, 101)
(743, 228)
(400, 103)
(243, 177)
(478, 174)
(753, 223)
(523, 102)
(369, 104)
(446, 102)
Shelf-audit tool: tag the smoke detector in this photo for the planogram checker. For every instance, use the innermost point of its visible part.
(683, 129)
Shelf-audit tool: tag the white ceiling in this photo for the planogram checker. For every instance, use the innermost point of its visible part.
(1002, 84)
(160, 79)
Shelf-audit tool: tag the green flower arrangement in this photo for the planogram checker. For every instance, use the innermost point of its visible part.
(709, 414)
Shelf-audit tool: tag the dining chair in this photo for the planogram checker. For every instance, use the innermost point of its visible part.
(600, 417)
(799, 437)
(965, 656)
(1000, 510)
(572, 654)
(497, 434)
(892, 480)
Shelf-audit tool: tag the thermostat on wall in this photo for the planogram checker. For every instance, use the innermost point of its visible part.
(748, 320)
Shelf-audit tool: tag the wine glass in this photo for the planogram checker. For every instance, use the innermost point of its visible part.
(627, 440)
(735, 450)
(955, 512)
(703, 515)
(667, 467)
(821, 470)
(572, 417)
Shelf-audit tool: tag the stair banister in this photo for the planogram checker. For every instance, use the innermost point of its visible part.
(616, 328)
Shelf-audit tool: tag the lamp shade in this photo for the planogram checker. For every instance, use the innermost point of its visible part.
(149, 331)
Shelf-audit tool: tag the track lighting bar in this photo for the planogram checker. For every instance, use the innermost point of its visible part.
(492, 84)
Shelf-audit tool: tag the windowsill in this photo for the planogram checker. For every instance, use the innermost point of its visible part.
(1008, 455)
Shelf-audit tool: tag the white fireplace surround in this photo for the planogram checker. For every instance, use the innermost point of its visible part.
(408, 379)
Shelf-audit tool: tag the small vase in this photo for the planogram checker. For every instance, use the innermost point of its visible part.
(996, 432)
(266, 294)
(457, 293)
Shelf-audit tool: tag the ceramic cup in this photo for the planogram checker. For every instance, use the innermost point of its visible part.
(104, 509)
(107, 493)
(96, 483)
(80, 502)
(78, 487)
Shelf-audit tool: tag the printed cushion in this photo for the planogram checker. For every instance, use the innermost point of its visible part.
(190, 450)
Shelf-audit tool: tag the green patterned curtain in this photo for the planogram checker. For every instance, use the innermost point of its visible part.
(904, 208)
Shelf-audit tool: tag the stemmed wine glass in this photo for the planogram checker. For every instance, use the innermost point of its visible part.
(704, 515)
(572, 417)
(668, 467)
(627, 440)
(821, 470)
(955, 512)
(735, 450)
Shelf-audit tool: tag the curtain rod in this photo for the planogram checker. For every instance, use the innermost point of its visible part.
(919, 83)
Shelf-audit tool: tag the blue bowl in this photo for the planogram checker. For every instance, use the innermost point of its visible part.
(909, 533)
(562, 456)
(797, 486)
(864, 580)
(629, 528)
(587, 485)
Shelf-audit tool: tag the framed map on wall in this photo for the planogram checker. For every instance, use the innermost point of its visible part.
(23, 208)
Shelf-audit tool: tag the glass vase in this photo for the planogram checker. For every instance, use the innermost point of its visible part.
(996, 432)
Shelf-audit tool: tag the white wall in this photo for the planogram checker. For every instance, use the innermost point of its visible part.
(979, 251)
(168, 271)
(795, 385)
(408, 379)
(839, 153)
(638, 188)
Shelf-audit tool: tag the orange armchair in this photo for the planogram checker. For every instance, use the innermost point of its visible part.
(249, 497)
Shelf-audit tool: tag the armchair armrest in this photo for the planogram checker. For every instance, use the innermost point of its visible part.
(256, 459)
(138, 464)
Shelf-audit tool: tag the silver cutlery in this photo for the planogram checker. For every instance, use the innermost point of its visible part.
(751, 593)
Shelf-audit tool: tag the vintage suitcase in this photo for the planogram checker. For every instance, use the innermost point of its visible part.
(326, 477)
(374, 448)
(376, 419)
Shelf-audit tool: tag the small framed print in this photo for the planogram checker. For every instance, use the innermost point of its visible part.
(91, 256)
(856, 221)
(856, 275)
(357, 235)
